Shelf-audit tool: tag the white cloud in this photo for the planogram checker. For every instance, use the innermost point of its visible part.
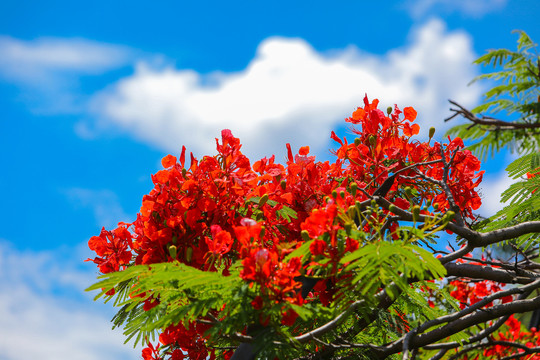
(37, 60)
(43, 314)
(491, 189)
(471, 8)
(104, 203)
(49, 69)
(290, 93)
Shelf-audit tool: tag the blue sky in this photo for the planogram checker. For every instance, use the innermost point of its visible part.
(94, 94)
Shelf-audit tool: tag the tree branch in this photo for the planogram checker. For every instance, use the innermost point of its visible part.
(488, 121)
(524, 290)
(480, 316)
(490, 273)
(476, 239)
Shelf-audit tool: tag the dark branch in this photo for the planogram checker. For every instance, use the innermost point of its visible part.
(481, 316)
(476, 239)
(489, 121)
(490, 273)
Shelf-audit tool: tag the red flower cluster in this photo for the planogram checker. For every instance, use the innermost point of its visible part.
(515, 333)
(469, 293)
(266, 268)
(112, 247)
(384, 147)
(221, 209)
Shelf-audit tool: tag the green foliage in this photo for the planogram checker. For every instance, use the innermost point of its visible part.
(519, 77)
(525, 164)
(187, 294)
(522, 198)
(516, 95)
(193, 297)
(383, 263)
(485, 143)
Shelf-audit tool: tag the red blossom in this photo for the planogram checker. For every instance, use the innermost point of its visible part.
(257, 303)
(168, 161)
(222, 209)
(220, 243)
(112, 248)
(289, 317)
(317, 247)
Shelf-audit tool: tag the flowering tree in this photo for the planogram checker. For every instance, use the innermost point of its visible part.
(321, 260)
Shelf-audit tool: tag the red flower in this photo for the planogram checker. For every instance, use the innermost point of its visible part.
(351, 245)
(289, 317)
(168, 161)
(410, 113)
(317, 247)
(304, 150)
(150, 352)
(257, 303)
(221, 241)
(402, 203)
(112, 248)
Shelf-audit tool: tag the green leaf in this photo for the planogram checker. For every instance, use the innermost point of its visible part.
(302, 251)
(287, 213)
(185, 294)
(516, 94)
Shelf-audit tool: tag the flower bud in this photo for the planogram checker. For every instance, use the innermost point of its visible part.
(416, 212)
(342, 194)
(354, 188)
(408, 191)
(305, 235)
(348, 226)
(389, 110)
(263, 200)
(283, 185)
(392, 208)
(188, 254)
(373, 140)
(431, 132)
(334, 193)
(172, 251)
(358, 206)
(351, 211)
(357, 141)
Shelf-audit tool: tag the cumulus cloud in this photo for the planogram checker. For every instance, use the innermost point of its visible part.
(476, 8)
(491, 189)
(104, 203)
(41, 318)
(36, 61)
(49, 69)
(290, 93)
